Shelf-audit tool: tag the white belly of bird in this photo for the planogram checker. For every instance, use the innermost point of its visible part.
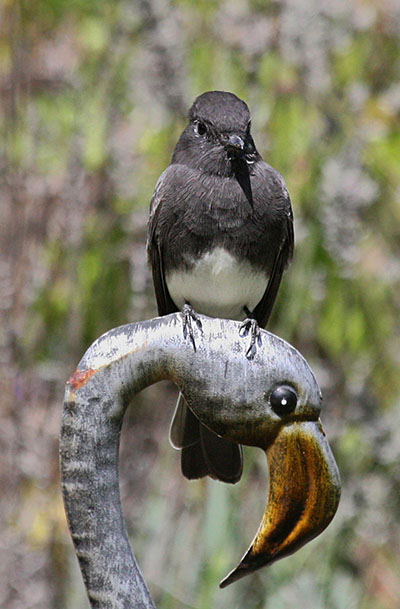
(218, 285)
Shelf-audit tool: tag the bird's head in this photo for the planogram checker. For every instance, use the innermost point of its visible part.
(218, 134)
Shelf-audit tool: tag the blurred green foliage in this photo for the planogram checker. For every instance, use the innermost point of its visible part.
(94, 95)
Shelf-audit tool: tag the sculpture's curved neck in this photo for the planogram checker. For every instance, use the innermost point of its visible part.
(89, 446)
(117, 365)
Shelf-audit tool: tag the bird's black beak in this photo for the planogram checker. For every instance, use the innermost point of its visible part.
(234, 144)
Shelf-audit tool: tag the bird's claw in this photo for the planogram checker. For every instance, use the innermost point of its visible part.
(251, 326)
(188, 315)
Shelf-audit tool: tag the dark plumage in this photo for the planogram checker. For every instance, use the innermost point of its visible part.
(220, 236)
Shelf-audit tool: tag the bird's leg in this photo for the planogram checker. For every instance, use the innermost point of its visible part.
(189, 314)
(250, 324)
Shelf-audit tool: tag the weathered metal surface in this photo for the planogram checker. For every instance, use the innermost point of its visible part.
(231, 395)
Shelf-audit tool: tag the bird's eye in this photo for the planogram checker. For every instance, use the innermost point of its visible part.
(283, 400)
(200, 128)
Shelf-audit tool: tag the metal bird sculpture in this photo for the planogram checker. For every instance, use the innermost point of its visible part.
(272, 402)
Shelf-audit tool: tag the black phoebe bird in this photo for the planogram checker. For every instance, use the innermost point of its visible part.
(219, 238)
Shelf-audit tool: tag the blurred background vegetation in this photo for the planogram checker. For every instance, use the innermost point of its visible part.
(93, 97)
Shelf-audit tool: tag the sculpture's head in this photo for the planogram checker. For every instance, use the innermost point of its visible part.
(273, 402)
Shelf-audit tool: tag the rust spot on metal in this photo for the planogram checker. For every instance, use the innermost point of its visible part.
(80, 378)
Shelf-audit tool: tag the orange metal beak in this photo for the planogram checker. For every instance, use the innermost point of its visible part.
(304, 493)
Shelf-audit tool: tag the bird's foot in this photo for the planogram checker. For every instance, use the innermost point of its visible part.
(250, 325)
(189, 315)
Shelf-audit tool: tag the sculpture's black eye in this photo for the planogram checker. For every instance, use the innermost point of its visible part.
(283, 399)
(200, 128)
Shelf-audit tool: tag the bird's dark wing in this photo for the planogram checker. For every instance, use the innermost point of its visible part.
(165, 304)
(264, 308)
